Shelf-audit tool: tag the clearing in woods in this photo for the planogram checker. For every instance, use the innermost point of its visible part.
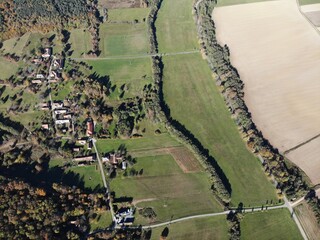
(308, 221)
(276, 52)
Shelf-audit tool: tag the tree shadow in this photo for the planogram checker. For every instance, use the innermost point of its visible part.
(165, 232)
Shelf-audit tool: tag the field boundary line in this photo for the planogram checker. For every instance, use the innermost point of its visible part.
(301, 144)
(302, 13)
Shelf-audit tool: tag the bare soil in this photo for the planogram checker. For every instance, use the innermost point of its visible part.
(314, 17)
(308, 221)
(277, 54)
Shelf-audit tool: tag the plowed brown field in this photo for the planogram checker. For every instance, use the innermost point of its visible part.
(277, 54)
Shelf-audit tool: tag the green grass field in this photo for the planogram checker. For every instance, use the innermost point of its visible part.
(305, 2)
(127, 14)
(62, 90)
(144, 143)
(135, 73)
(90, 175)
(273, 224)
(165, 187)
(123, 39)
(204, 229)
(80, 40)
(102, 220)
(195, 101)
(175, 26)
(16, 45)
(189, 88)
(221, 3)
(7, 68)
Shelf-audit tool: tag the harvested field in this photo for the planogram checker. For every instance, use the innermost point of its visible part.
(111, 4)
(308, 221)
(183, 157)
(307, 158)
(314, 17)
(279, 65)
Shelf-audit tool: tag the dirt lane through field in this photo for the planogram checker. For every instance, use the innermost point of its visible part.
(277, 54)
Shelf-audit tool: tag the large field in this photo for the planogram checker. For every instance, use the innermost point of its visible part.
(281, 76)
(167, 189)
(204, 229)
(308, 221)
(194, 100)
(273, 224)
(134, 73)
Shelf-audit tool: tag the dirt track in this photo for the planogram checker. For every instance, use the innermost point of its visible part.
(277, 53)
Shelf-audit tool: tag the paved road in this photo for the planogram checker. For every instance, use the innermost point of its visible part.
(136, 56)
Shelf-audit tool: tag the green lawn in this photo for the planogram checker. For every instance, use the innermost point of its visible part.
(16, 45)
(61, 91)
(165, 187)
(90, 175)
(234, 2)
(204, 229)
(123, 39)
(127, 14)
(151, 142)
(195, 101)
(305, 2)
(7, 68)
(134, 73)
(273, 224)
(102, 220)
(80, 40)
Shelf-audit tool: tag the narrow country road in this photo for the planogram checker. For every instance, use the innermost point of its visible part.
(124, 57)
(103, 177)
(100, 165)
(256, 209)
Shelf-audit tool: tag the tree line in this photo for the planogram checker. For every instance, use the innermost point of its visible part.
(159, 112)
(289, 178)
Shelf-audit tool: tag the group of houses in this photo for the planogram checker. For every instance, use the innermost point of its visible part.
(48, 68)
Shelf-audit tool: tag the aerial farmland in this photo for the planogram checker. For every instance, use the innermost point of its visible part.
(277, 54)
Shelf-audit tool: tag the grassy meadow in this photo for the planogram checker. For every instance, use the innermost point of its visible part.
(127, 14)
(195, 101)
(80, 40)
(203, 228)
(123, 39)
(305, 2)
(273, 224)
(8, 68)
(175, 26)
(167, 189)
(144, 143)
(134, 73)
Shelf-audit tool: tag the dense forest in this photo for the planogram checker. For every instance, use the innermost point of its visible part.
(58, 212)
(20, 16)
